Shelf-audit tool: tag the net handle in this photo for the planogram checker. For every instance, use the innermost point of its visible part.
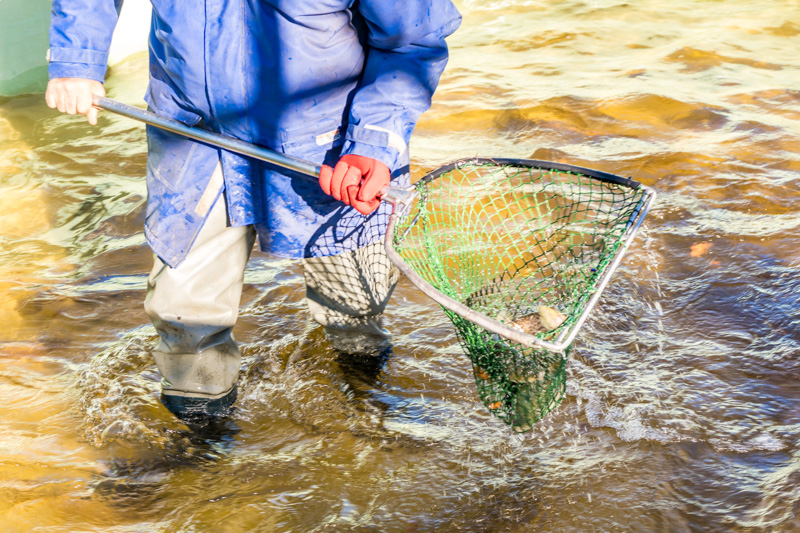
(568, 335)
(394, 195)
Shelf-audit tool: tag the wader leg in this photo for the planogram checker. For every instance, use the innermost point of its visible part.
(348, 293)
(194, 308)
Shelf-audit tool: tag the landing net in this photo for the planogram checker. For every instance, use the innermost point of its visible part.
(517, 253)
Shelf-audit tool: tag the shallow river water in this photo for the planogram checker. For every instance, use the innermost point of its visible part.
(683, 403)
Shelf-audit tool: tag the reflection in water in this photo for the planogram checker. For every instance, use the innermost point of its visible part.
(682, 410)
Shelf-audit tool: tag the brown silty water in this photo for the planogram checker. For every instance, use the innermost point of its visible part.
(683, 406)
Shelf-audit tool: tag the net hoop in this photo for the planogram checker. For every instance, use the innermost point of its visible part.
(567, 335)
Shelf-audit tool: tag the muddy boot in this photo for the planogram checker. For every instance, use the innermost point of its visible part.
(348, 293)
(194, 307)
(196, 409)
(199, 385)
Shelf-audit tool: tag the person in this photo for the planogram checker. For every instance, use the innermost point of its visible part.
(339, 83)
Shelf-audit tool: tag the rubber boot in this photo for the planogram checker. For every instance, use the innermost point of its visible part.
(348, 293)
(194, 308)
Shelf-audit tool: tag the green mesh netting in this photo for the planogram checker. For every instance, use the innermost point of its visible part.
(525, 246)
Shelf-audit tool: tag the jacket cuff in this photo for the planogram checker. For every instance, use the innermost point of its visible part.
(77, 63)
(375, 142)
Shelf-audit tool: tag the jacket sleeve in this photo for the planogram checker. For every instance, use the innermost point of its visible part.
(80, 36)
(406, 55)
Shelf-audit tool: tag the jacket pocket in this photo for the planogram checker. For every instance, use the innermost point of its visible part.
(168, 156)
(313, 139)
(161, 98)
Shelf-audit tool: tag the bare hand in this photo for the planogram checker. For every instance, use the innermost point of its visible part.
(74, 95)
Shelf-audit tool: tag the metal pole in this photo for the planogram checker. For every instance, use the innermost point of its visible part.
(394, 195)
(215, 139)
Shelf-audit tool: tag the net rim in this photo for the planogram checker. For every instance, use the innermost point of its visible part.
(565, 338)
(533, 163)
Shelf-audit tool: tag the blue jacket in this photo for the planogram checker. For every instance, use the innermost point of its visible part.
(314, 80)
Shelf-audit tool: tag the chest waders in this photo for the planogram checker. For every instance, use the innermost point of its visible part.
(195, 306)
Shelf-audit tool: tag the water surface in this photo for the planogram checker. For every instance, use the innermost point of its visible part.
(683, 405)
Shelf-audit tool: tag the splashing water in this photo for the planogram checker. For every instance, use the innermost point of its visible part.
(682, 410)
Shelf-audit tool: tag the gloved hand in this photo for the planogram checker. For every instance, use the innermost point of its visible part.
(356, 181)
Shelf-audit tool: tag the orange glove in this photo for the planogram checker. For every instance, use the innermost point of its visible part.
(356, 181)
